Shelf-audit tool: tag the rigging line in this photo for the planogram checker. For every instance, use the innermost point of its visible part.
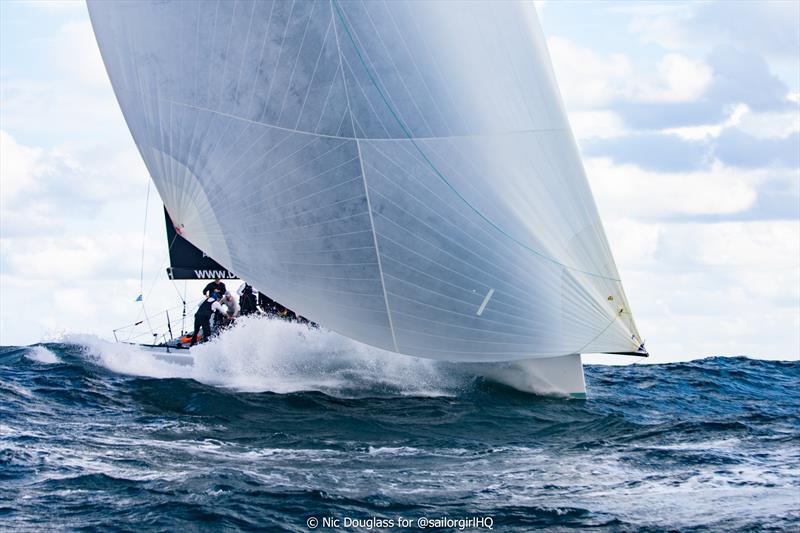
(144, 237)
(132, 324)
(433, 167)
(175, 285)
(616, 316)
(155, 278)
(141, 270)
(183, 315)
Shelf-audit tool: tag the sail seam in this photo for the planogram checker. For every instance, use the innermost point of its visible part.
(366, 187)
(433, 167)
(377, 249)
(341, 137)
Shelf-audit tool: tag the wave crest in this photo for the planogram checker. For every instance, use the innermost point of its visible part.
(40, 354)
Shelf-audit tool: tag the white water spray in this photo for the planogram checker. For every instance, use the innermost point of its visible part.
(260, 354)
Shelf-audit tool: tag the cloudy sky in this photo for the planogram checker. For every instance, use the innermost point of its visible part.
(687, 116)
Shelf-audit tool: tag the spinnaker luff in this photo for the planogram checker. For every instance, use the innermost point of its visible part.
(400, 172)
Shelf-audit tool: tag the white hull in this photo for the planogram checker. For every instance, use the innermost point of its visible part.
(557, 376)
(172, 355)
(552, 376)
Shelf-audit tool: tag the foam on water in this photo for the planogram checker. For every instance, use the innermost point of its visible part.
(260, 354)
(40, 354)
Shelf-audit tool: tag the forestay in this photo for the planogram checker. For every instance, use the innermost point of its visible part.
(400, 172)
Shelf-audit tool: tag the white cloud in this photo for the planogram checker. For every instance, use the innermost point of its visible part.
(18, 166)
(625, 191)
(75, 301)
(753, 246)
(78, 56)
(101, 255)
(730, 288)
(589, 80)
(768, 27)
(694, 133)
(58, 5)
(71, 240)
(634, 243)
(40, 188)
(27, 206)
(680, 79)
(59, 109)
(665, 29)
(70, 98)
(675, 317)
(596, 124)
(756, 262)
(770, 125)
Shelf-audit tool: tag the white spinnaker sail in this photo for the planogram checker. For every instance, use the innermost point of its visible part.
(400, 172)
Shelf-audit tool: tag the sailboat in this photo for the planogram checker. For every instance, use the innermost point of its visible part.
(402, 173)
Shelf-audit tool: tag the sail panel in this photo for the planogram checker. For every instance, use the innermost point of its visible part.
(400, 172)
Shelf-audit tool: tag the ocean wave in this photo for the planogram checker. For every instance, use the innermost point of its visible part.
(264, 435)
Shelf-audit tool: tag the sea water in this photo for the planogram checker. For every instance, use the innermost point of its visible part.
(281, 428)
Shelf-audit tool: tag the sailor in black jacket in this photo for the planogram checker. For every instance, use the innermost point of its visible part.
(216, 289)
(202, 318)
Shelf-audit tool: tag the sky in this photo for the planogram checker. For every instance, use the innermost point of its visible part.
(687, 115)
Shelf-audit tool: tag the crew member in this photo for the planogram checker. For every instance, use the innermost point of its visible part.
(216, 289)
(233, 307)
(247, 299)
(202, 318)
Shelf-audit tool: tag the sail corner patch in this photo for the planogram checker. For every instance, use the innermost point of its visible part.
(485, 301)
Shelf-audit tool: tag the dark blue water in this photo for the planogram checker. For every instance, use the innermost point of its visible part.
(707, 445)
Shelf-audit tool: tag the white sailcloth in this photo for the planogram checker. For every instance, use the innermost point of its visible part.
(400, 172)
